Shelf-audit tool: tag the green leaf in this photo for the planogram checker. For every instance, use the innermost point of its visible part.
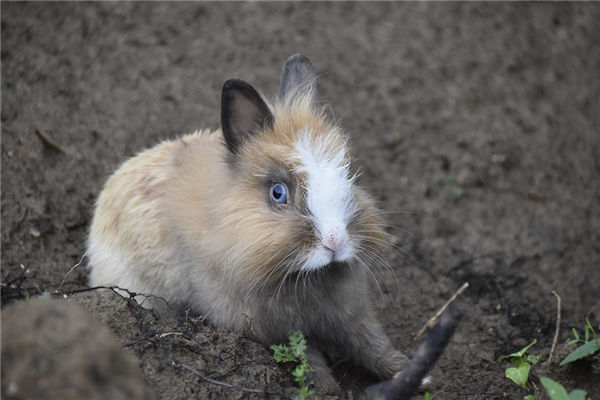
(456, 191)
(298, 344)
(577, 394)
(534, 359)
(299, 372)
(517, 358)
(587, 349)
(588, 326)
(587, 331)
(304, 393)
(576, 334)
(296, 353)
(524, 350)
(529, 397)
(428, 397)
(434, 181)
(281, 353)
(555, 390)
(519, 375)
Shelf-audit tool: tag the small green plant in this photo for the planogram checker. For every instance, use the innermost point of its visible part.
(588, 333)
(522, 362)
(296, 352)
(590, 346)
(556, 391)
(456, 190)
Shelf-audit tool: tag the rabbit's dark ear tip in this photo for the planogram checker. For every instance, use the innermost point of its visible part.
(243, 113)
(298, 59)
(231, 83)
(298, 75)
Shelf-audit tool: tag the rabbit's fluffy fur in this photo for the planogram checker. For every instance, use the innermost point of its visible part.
(193, 221)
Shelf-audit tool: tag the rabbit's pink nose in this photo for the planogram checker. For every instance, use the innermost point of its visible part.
(335, 240)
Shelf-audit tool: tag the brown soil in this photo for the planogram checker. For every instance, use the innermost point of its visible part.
(477, 124)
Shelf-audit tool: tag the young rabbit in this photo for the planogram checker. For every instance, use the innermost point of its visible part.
(259, 225)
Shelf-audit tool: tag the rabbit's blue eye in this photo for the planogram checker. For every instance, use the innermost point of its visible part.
(279, 193)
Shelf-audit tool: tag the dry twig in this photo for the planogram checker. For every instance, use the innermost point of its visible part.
(556, 331)
(229, 385)
(49, 141)
(72, 269)
(431, 323)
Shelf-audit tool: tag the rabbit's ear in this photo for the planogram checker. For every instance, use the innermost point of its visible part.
(243, 113)
(299, 78)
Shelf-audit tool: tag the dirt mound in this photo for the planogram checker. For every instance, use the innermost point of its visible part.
(54, 349)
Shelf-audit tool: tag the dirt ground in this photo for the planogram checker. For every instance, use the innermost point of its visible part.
(476, 125)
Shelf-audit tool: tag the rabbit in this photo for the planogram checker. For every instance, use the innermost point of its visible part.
(260, 226)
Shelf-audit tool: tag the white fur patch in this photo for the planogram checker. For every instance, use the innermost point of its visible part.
(108, 266)
(425, 382)
(329, 197)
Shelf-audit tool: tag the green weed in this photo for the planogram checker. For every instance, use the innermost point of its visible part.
(522, 362)
(450, 180)
(590, 346)
(556, 391)
(296, 352)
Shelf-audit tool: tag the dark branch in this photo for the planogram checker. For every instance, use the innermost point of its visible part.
(403, 386)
